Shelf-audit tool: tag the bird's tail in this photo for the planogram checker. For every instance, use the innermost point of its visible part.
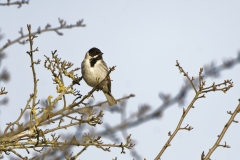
(110, 98)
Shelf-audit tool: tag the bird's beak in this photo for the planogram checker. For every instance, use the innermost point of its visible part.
(100, 53)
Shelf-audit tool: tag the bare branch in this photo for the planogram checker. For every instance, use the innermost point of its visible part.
(19, 3)
(63, 25)
(227, 85)
(217, 143)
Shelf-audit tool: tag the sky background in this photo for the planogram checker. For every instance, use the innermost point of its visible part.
(143, 39)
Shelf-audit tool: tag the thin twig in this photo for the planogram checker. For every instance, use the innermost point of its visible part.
(19, 3)
(78, 154)
(20, 116)
(185, 112)
(30, 39)
(217, 143)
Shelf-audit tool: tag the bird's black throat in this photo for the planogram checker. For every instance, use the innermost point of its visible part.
(94, 60)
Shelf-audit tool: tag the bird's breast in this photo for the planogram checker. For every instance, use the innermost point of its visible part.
(93, 75)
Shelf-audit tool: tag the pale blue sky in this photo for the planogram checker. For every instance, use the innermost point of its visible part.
(143, 39)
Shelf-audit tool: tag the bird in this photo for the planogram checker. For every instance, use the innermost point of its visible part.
(94, 70)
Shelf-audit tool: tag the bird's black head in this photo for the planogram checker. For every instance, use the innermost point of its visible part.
(95, 52)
